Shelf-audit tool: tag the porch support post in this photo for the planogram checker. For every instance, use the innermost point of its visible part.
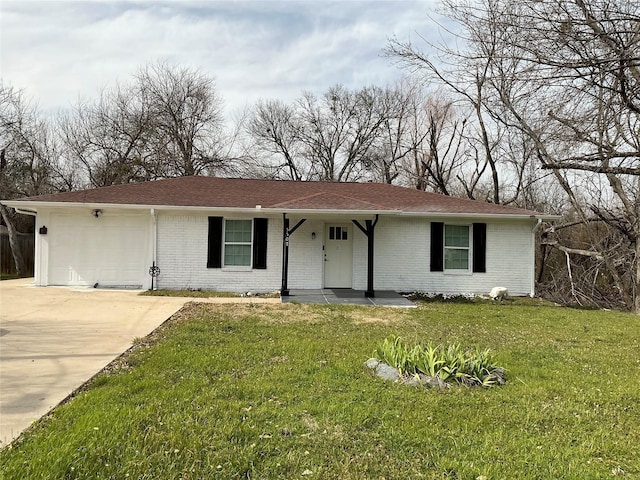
(284, 291)
(286, 235)
(368, 230)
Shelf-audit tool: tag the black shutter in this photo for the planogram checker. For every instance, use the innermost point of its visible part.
(437, 246)
(479, 247)
(260, 242)
(214, 245)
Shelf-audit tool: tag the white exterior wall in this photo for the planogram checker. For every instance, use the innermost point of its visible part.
(41, 254)
(306, 259)
(182, 256)
(402, 258)
(402, 253)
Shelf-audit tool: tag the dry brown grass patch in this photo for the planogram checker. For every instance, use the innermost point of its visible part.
(380, 316)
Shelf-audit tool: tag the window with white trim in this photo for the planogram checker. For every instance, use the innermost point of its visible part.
(238, 236)
(456, 247)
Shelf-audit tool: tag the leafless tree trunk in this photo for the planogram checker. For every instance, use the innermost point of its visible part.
(18, 259)
(27, 154)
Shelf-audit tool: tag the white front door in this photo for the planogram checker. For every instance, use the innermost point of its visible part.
(338, 256)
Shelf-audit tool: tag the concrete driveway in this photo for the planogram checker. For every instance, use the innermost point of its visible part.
(53, 339)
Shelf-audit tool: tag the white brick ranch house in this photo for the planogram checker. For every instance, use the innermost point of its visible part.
(266, 235)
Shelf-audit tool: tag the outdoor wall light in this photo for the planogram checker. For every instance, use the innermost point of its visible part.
(313, 235)
(43, 230)
(97, 213)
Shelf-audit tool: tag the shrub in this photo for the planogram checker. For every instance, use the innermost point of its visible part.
(452, 363)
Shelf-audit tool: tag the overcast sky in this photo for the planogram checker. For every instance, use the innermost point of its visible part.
(59, 51)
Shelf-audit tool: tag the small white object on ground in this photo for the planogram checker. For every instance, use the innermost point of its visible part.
(498, 293)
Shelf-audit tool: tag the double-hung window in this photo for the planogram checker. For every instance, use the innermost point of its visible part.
(456, 247)
(237, 243)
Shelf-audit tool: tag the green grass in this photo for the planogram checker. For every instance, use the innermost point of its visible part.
(198, 294)
(278, 391)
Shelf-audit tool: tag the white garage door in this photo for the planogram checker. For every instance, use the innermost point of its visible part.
(112, 250)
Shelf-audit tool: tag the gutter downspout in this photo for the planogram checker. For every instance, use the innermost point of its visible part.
(535, 228)
(154, 238)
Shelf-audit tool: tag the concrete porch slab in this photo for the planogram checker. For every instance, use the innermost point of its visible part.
(347, 296)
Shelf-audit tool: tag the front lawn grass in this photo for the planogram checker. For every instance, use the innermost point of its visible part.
(280, 391)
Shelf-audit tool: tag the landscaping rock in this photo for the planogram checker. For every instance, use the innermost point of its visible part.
(382, 369)
(436, 382)
(387, 372)
(413, 380)
(499, 376)
(372, 363)
(425, 381)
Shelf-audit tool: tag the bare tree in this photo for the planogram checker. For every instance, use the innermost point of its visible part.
(469, 84)
(338, 131)
(330, 138)
(167, 122)
(566, 75)
(402, 135)
(110, 138)
(275, 128)
(187, 124)
(27, 153)
(445, 154)
(397, 134)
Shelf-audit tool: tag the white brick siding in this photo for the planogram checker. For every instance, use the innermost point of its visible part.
(182, 257)
(305, 255)
(401, 261)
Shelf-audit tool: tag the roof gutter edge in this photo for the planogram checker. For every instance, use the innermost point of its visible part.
(521, 216)
(20, 205)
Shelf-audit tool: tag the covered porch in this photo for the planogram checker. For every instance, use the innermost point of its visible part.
(331, 252)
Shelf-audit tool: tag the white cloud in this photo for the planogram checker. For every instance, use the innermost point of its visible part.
(61, 50)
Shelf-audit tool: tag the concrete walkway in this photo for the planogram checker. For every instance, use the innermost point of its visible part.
(53, 339)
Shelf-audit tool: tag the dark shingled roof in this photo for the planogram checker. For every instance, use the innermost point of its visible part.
(280, 194)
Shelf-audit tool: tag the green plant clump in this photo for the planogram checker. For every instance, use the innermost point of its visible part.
(453, 363)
